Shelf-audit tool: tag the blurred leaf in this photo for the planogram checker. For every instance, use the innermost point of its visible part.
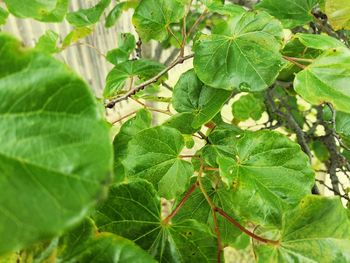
(55, 155)
(48, 42)
(89, 16)
(114, 14)
(338, 13)
(126, 45)
(75, 35)
(46, 11)
(3, 16)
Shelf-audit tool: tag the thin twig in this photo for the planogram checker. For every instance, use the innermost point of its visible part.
(294, 62)
(244, 230)
(143, 85)
(124, 117)
(199, 19)
(180, 205)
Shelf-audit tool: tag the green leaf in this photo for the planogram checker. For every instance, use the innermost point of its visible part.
(153, 154)
(181, 122)
(191, 95)
(325, 80)
(129, 129)
(46, 11)
(220, 143)
(342, 121)
(75, 35)
(320, 150)
(127, 44)
(85, 244)
(321, 42)
(267, 173)
(248, 106)
(73, 243)
(153, 17)
(247, 57)
(48, 42)
(131, 69)
(112, 248)
(56, 152)
(114, 14)
(338, 13)
(291, 13)
(89, 16)
(133, 211)
(196, 207)
(3, 16)
(317, 230)
(225, 9)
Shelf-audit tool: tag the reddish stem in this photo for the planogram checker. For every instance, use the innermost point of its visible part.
(182, 202)
(251, 234)
(218, 236)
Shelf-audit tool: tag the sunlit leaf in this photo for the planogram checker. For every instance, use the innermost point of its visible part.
(317, 230)
(246, 58)
(153, 17)
(326, 80)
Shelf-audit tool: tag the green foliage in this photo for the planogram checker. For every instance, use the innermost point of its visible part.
(87, 17)
(47, 11)
(133, 211)
(186, 185)
(48, 42)
(338, 12)
(152, 18)
(317, 84)
(248, 106)
(291, 13)
(128, 71)
(245, 57)
(192, 96)
(299, 242)
(122, 53)
(3, 16)
(39, 130)
(153, 154)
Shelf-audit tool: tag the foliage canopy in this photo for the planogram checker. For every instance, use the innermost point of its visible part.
(75, 188)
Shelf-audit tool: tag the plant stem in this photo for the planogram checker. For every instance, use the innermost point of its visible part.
(213, 210)
(124, 117)
(294, 62)
(195, 24)
(189, 156)
(299, 59)
(182, 202)
(173, 35)
(244, 230)
(143, 85)
(218, 236)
